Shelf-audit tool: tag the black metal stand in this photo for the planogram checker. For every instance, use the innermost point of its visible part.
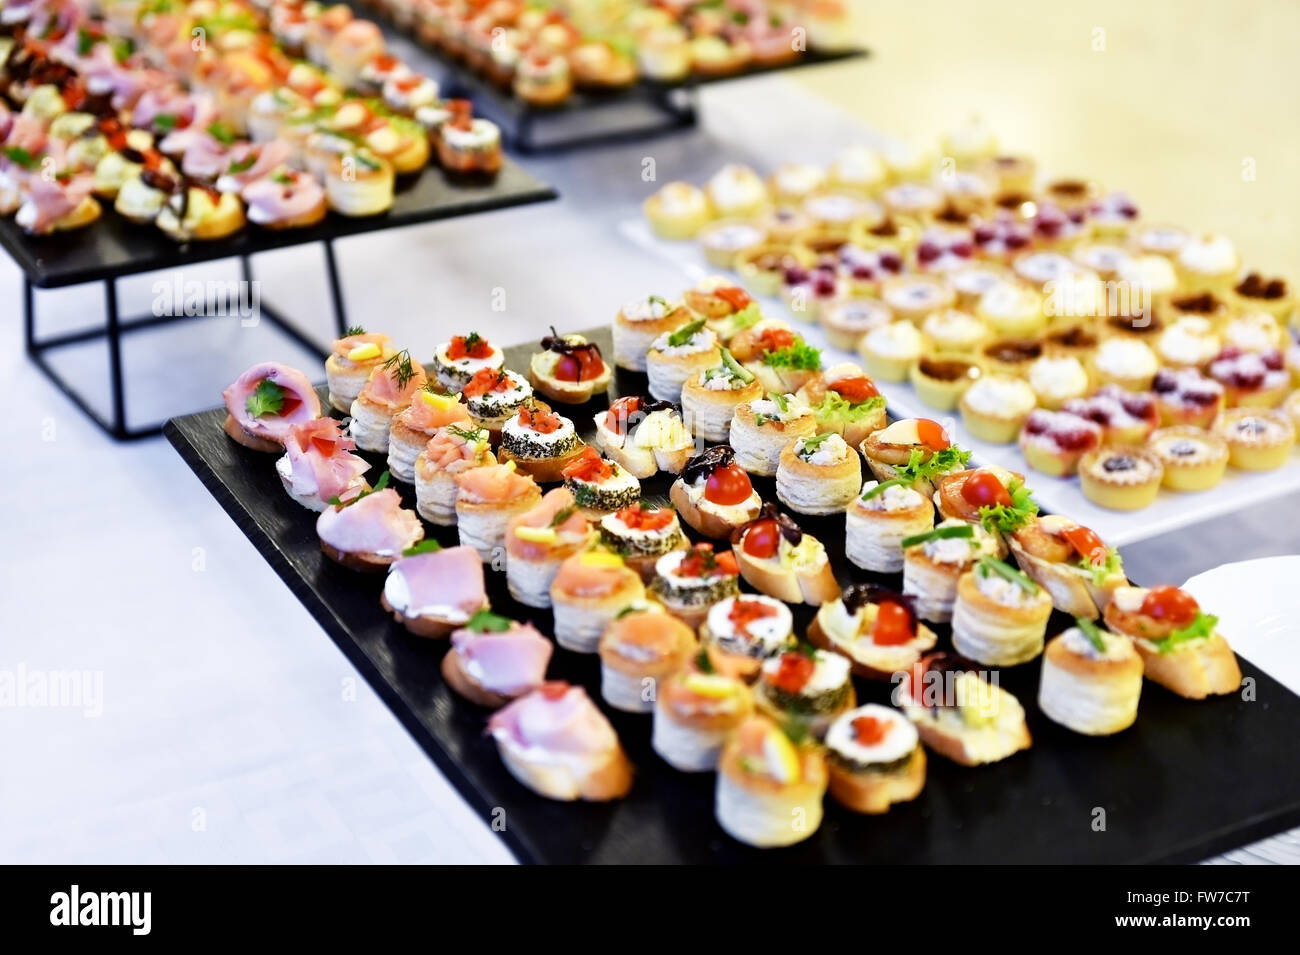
(115, 327)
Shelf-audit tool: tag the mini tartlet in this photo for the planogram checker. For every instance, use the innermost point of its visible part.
(710, 398)
(1193, 459)
(1258, 439)
(1054, 441)
(995, 407)
(1000, 615)
(940, 381)
(677, 211)
(1186, 397)
(1121, 478)
(890, 351)
(1056, 379)
(1091, 680)
(677, 356)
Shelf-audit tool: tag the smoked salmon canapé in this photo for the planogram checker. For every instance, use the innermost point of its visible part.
(569, 369)
(556, 742)
(487, 498)
(770, 789)
(451, 450)
(589, 591)
(494, 396)
(388, 391)
(460, 358)
(639, 648)
(265, 402)
(540, 442)
(539, 540)
(318, 465)
(368, 530)
(433, 590)
(353, 358)
(412, 428)
(696, 711)
(493, 660)
(641, 533)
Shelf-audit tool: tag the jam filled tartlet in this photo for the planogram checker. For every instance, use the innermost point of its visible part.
(1258, 293)
(1186, 397)
(1121, 478)
(1054, 441)
(1258, 439)
(1194, 460)
(1251, 379)
(1125, 417)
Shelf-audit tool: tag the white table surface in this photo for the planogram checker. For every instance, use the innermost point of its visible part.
(230, 728)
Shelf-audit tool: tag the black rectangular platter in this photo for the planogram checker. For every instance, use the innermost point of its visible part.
(1189, 780)
(113, 246)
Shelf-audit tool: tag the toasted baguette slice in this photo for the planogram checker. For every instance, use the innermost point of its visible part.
(366, 563)
(237, 433)
(957, 747)
(1206, 668)
(610, 778)
(874, 793)
(570, 392)
(811, 585)
(710, 525)
(453, 671)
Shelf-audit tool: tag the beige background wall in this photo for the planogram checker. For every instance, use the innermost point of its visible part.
(1183, 92)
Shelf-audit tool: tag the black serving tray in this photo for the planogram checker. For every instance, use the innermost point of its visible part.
(113, 246)
(1189, 780)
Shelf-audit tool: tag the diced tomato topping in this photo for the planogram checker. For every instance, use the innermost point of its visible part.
(701, 561)
(1086, 543)
(486, 381)
(868, 731)
(728, 485)
(734, 296)
(540, 418)
(855, 390)
(984, 489)
(589, 466)
(645, 518)
(468, 346)
(291, 404)
(774, 339)
(794, 673)
(762, 540)
(932, 434)
(1172, 604)
(744, 612)
(554, 689)
(893, 625)
(384, 63)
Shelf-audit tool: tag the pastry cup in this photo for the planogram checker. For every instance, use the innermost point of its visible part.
(817, 489)
(1128, 489)
(1010, 357)
(847, 322)
(708, 413)
(677, 221)
(758, 447)
(762, 268)
(760, 812)
(1127, 382)
(724, 253)
(940, 382)
(1292, 408)
(888, 367)
(1095, 697)
(913, 297)
(993, 428)
(665, 374)
(1264, 447)
(873, 540)
(994, 634)
(1198, 471)
(632, 339)
(1048, 457)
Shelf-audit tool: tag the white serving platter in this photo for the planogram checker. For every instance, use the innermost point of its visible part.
(1171, 511)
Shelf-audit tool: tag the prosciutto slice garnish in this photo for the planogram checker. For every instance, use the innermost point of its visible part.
(266, 157)
(376, 524)
(48, 200)
(304, 407)
(510, 662)
(556, 717)
(451, 578)
(318, 452)
(272, 201)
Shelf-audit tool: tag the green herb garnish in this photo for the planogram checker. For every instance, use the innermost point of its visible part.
(808, 446)
(399, 368)
(283, 178)
(630, 608)
(991, 565)
(1203, 626)
(562, 515)
(473, 435)
(165, 121)
(221, 132)
(1010, 518)
(964, 531)
(267, 399)
(702, 662)
(1101, 570)
(736, 368)
(427, 546)
(780, 400)
(920, 468)
(659, 300)
(485, 621)
(20, 156)
(472, 341)
(241, 165)
(123, 47)
(1092, 632)
(800, 356)
(882, 487)
(354, 330)
(685, 334)
(85, 42)
(379, 486)
(835, 407)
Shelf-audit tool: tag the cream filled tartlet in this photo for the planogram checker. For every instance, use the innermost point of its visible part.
(1091, 680)
(710, 398)
(934, 561)
(1000, 615)
(676, 356)
(877, 521)
(761, 428)
(820, 474)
